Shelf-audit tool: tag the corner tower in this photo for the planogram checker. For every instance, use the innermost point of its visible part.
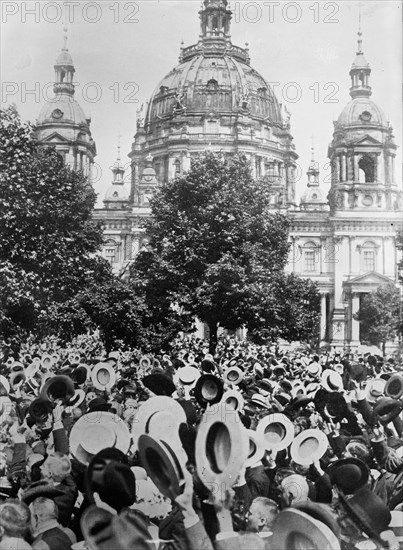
(365, 203)
(62, 123)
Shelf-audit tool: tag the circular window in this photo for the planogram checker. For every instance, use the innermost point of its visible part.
(365, 116)
(367, 200)
(57, 113)
(314, 196)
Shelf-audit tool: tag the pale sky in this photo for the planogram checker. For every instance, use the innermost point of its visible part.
(121, 50)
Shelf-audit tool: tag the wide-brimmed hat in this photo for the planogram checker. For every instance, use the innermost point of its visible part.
(17, 377)
(46, 361)
(348, 474)
(208, 365)
(77, 399)
(394, 386)
(58, 387)
(388, 409)
(368, 511)
(258, 399)
(279, 370)
(187, 376)
(209, 389)
(145, 362)
(374, 389)
(159, 383)
(311, 388)
(257, 448)
(331, 380)
(233, 399)
(294, 529)
(276, 430)
(40, 489)
(147, 417)
(308, 446)
(103, 376)
(233, 375)
(222, 447)
(95, 431)
(314, 369)
(321, 512)
(164, 464)
(31, 370)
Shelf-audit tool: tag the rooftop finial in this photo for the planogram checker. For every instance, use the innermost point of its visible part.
(312, 150)
(65, 38)
(359, 30)
(118, 157)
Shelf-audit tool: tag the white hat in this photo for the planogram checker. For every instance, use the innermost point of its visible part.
(95, 431)
(308, 446)
(331, 380)
(103, 376)
(277, 431)
(374, 389)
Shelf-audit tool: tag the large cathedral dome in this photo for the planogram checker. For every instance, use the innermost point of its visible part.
(213, 99)
(222, 81)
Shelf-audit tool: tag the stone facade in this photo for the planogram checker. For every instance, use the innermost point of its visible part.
(213, 99)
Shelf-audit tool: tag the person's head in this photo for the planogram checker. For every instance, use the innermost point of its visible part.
(357, 449)
(43, 510)
(300, 469)
(261, 515)
(56, 467)
(294, 488)
(15, 519)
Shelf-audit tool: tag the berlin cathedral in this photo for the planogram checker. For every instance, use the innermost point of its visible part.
(214, 100)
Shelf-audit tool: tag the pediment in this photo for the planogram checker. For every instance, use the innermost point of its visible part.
(366, 140)
(55, 137)
(371, 278)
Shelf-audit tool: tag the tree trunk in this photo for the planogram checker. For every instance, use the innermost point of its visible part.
(213, 327)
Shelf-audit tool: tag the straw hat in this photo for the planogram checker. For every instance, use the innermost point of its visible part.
(308, 446)
(276, 430)
(331, 380)
(96, 431)
(103, 376)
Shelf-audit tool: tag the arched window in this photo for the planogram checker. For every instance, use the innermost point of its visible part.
(177, 167)
(366, 169)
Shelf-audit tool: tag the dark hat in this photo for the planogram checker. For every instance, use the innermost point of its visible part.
(394, 386)
(207, 365)
(387, 409)
(98, 404)
(348, 474)
(208, 389)
(159, 383)
(79, 375)
(58, 387)
(279, 370)
(371, 360)
(40, 489)
(368, 512)
(40, 409)
(113, 480)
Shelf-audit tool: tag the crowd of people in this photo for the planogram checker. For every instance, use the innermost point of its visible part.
(252, 447)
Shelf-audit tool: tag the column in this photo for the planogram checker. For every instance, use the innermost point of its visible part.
(392, 175)
(337, 168)
(171, 169)
(323, 316)
(356, 169)
(262, 166)
(355, 325)
(252, 159)
(376, 168)
(343, 167)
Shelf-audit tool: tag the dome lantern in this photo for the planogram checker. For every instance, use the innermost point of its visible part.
(359, 72)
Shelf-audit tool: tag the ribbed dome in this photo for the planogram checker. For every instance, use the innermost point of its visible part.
(220, 83)
(64, 109)
(64, 58)
(361, 110)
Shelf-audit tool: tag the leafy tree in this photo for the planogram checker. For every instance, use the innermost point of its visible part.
(379, 315)
(48, 241)
(215, 249)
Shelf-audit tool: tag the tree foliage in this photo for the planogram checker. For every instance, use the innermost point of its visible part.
(379, 315)
(216, 250)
